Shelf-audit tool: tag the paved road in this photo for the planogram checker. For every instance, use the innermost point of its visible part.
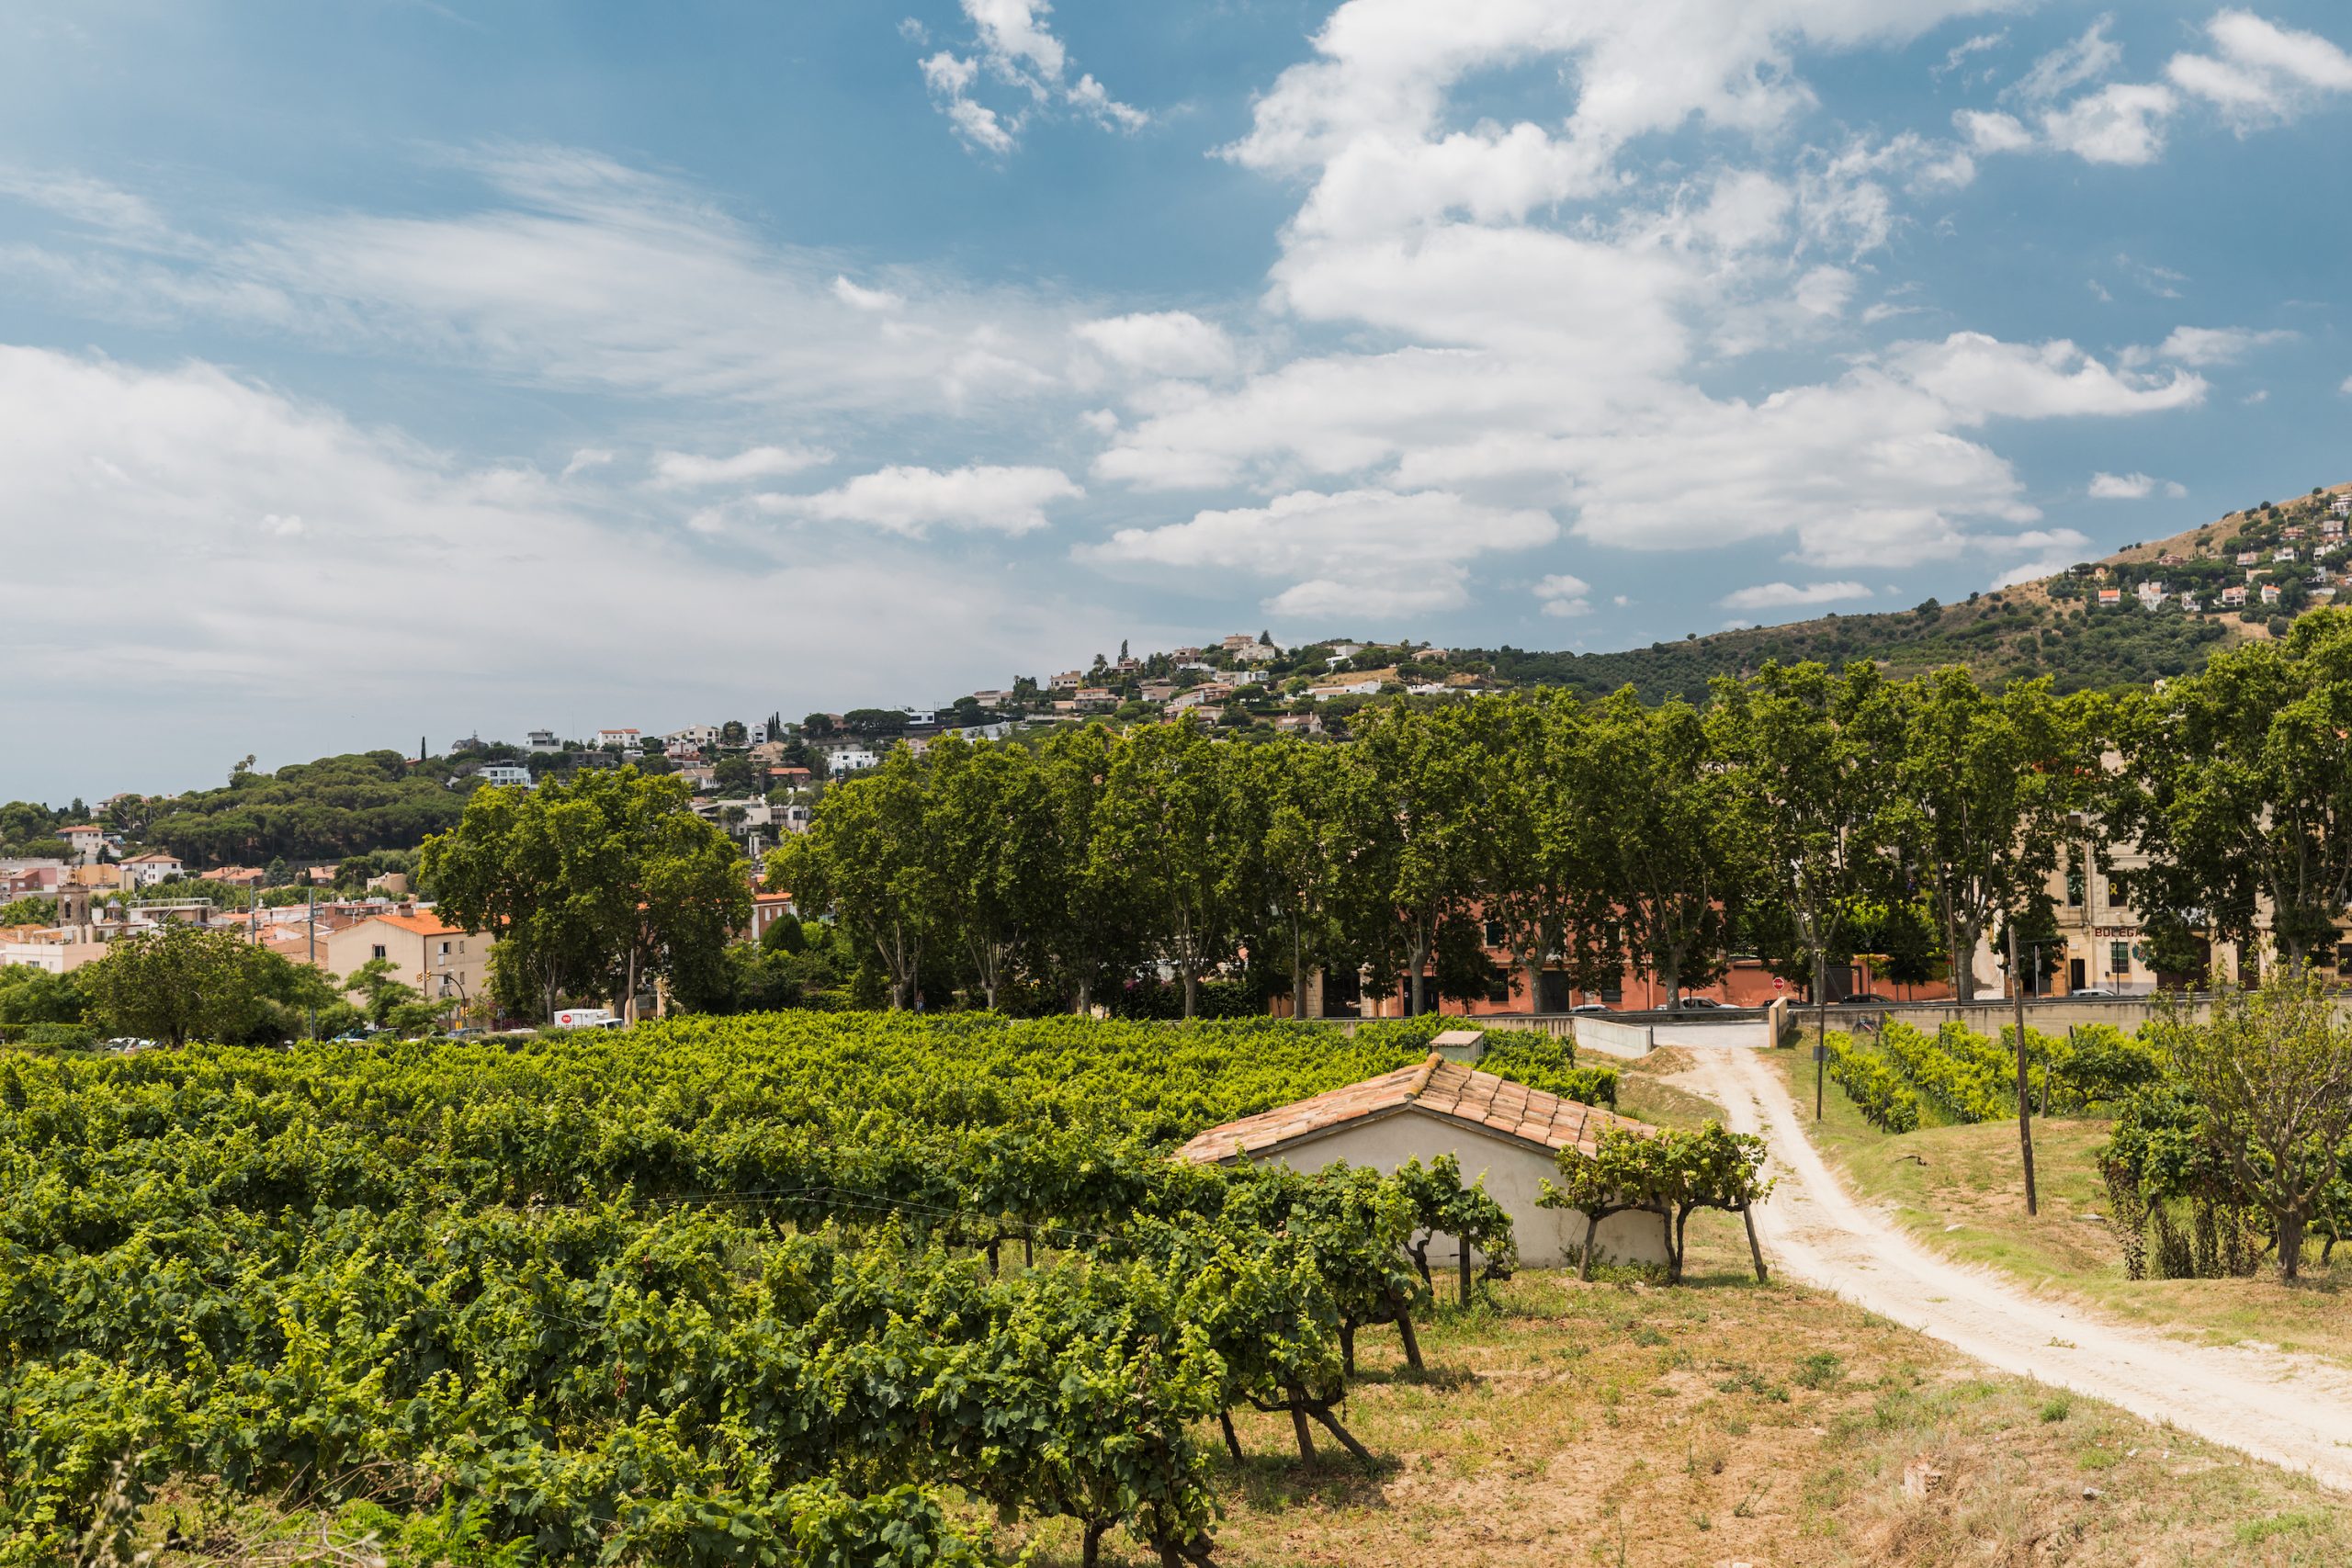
(2290, 1410)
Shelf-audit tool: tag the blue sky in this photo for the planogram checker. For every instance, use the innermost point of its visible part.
(407, 366)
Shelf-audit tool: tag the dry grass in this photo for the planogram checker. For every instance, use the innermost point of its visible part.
(1961, 1190)
(1724, 1422)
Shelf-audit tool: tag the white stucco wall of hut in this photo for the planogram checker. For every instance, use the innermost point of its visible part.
(1514, 1172)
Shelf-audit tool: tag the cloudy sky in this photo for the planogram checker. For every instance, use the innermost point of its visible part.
(371, 368)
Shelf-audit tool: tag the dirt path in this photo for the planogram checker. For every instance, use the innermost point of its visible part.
(2286, 1409)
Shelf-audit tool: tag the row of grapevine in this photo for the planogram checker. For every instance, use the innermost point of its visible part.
(1968, 1077)
(1885, 1101)
(694, 1294)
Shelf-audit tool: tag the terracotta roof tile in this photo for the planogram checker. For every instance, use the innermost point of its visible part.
(1436, 1085)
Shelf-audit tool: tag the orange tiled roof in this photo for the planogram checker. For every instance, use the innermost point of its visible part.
(422, 925)
(1435, 1087)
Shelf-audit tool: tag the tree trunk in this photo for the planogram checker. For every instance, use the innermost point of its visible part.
(1670, 977)
(1755, 1247)
(1085, 997)
(1192, 994)
(1298, 1423)
(1348, 1349)
(1298, 974)
(1347, 1438)
(1232, 1437)
(1462, 1245)
(1592, 1230)
(1412, 1340)
(2290, 1245)
(1417, 997)
(1963, 962)
(1090, 1553)
(1674, 1249)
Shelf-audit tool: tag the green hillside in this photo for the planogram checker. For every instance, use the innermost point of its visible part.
(2052, 626)
(1997, 635)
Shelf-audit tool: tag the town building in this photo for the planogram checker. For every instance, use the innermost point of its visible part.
(154, 866)
(444, 963)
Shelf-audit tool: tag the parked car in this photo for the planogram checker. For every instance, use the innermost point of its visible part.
(2093, 991)
(1702, 1004)
(1591, 1006)
(1865, 999)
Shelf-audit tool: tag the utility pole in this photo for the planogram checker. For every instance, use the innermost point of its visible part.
(2025, 1106)
(1821, 1028)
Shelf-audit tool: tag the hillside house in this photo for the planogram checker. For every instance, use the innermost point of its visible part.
(627, 739)
(2342, 505)
(1504, 1132)
(2249, 558)
(2233, 596)
(2282, 554)
(2110, 598)
(148, 869)
(2270, 594)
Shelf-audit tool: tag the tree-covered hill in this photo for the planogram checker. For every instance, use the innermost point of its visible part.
(2054, 626)
(1997, 635)
(322, 810)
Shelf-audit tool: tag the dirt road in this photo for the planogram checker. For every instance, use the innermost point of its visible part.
(2281, 1408)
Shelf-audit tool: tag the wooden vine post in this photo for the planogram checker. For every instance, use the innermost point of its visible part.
(2025, 1101)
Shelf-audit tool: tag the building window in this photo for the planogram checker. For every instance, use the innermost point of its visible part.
(1498, 986)
(2075, 888)
(2344, 958)
(1494, 934)
(378, 951)
(1612, 990)
(2119, 957)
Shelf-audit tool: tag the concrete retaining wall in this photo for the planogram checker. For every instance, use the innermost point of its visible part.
(1611, 1038)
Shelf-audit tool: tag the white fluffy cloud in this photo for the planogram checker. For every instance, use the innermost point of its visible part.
(1374, 552)
(687, 470)
(1012, 46)
(1565, 596)
(2207, 346)
(2258, 73)
(912, 500)
(580, 273)
(2133, 487)
(1162, 343)
(270, 518)
(1867, 468)
(2123, 122)
(1789, 596)
(2261, 74)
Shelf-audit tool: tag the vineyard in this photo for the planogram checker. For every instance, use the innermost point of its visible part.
(792, 1288)
(1965, 1078)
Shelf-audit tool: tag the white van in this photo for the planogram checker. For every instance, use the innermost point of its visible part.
(588, 1018)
